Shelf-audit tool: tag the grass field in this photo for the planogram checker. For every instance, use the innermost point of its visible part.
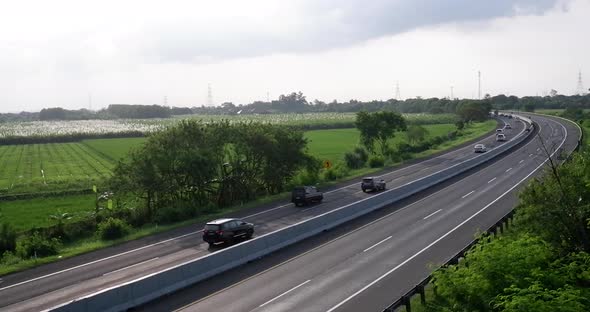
(113, 149)
(332, 144)
(50, 167)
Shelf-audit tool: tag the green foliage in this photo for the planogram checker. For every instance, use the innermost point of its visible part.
(556, 207)
(529, 107)
(35, 245)
(357, 158)
(380, 127)
(338, 171)
(376, 161)
(460, 125)
(112, 228)
(474, 111)
(416, 133)
(7, 237)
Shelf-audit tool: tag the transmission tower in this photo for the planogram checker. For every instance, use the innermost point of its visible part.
(267, 97)
(478, 85)
(89, 101)
(452, 97)
(209, 95)
(580, 89)
(165, 100)
(397, 93)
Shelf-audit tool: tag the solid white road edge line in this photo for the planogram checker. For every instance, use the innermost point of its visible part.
(448, 233)
(432, 214)
(377, 244)
(196, 232)
(288, 291)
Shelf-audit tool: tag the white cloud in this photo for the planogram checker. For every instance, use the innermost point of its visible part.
(54, 53)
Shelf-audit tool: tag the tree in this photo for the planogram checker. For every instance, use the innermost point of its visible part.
(380, 127)
(416, 133)
(474, 111)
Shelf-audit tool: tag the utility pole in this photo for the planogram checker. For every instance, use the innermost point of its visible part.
(267, 97)
(209, 95)
(478, 85)
(165, 100)
(580, 89)
(397, 92)
(452, 96)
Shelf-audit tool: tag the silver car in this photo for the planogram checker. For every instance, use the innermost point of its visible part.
(479, 148)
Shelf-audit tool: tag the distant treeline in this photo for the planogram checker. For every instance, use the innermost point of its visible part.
(297, 103)
(66, 138)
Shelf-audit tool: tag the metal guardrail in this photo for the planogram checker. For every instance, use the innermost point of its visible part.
(155, 285)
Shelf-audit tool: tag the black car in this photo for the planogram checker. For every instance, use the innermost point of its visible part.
(227, 230)
(304, 195)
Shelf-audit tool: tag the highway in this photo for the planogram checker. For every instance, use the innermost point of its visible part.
(369, 263)
(53, 284)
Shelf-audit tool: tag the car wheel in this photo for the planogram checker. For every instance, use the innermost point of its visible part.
(211, 245)
(249, 234)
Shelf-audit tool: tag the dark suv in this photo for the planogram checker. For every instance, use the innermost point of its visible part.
(227, 230)
(303, 195)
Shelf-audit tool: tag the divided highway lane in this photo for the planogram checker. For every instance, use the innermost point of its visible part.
(373, 265)
(22, 291)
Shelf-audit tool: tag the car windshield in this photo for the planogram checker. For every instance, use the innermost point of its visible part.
(368, 180)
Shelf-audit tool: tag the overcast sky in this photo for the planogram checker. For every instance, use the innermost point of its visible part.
(56, 53)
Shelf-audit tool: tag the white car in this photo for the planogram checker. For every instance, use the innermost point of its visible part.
(479, 148)
(499, 130)
(500, 137)
(508, 126)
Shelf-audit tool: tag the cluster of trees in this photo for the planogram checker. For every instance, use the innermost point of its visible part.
(194, 166)
(542, 264)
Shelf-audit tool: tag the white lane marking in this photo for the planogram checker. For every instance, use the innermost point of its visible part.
(538, 149)
(530, 155)
(196, 232)
(125, 268)
(520, 162)
(446, 234)
(467, 194)
(377, 244)
(508, 169)
(288, 291)
(97, 261)
(289, 260)
(432, 214)
(492, 180)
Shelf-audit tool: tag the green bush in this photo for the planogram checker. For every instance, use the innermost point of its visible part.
(376, 161)
(9, 258)
(112, 228)
(35, 245)
(339, 170)
(353, 160)
(362, 153)
(7, 238)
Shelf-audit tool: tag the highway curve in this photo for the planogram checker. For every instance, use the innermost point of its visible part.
(368, 263)
(50, 285)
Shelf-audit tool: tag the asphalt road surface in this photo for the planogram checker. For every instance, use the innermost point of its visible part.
(368, 263)
(53, 284)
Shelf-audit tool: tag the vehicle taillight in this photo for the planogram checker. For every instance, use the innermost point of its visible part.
(219, 232)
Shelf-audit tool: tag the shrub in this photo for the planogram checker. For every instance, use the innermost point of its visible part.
(36, 245)
(339, 170)
(9, 258)
(112, 228)
(352, 160)
(376, 161)
(7, 238)
(362, 153)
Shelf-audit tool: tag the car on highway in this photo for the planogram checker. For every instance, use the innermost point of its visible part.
(370, 183)
(499, 130)
(304, 195)
(500, 137)
(508, 126)
(227, 230)
(479, 148)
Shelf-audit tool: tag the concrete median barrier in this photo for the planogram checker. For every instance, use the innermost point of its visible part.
(158, 284)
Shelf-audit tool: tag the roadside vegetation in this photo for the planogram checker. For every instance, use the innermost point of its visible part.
(195, 171)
